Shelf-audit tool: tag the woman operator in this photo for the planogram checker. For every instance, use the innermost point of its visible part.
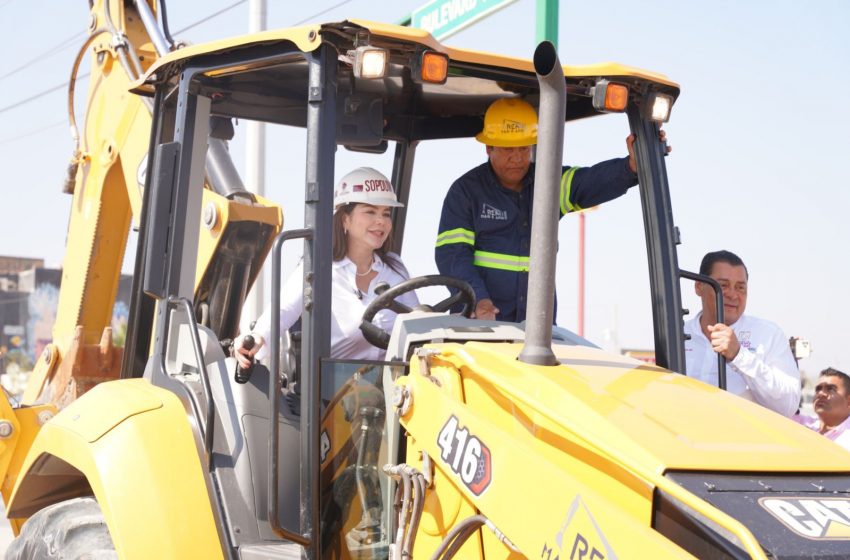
(362, 235)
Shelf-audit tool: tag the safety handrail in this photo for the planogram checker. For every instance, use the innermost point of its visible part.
(274, 395)
(718, 300)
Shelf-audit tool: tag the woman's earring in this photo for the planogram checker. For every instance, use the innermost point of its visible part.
(345, 232)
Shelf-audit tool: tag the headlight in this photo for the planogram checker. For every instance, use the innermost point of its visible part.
(658, 106)
(369, 62)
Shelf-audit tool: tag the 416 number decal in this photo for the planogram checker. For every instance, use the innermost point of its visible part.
(466, 455)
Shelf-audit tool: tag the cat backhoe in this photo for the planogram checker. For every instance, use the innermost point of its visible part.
(472, 439)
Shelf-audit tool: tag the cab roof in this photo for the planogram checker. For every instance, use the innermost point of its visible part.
(264, 76)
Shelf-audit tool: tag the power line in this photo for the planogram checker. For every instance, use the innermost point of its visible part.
(65, 84)
(190, 26)
(62, 45)
(211, 16)
(303, 21)
(34, 132)
(39, 95)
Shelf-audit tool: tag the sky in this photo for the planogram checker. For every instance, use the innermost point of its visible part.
(759, 136)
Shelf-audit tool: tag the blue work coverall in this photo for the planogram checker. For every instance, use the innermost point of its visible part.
(485, 228)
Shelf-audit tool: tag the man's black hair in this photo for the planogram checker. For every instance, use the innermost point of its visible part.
(723, 256)
(832, 372)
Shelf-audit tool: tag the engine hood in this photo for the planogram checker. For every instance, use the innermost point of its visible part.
(644, 416)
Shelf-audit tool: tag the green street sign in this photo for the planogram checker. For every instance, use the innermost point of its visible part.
(442, 18)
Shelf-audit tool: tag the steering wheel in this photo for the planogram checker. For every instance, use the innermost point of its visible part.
(387, 299)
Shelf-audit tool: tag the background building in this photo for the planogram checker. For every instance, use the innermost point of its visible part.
(29, 296)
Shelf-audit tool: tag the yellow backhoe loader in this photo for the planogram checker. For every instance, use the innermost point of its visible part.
(474, 439)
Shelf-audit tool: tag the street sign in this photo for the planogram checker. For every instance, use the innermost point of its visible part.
(442, 18)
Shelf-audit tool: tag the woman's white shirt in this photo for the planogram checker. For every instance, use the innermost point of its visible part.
(347, 308)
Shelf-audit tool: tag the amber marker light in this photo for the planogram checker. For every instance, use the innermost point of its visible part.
(435, 67)
(610, 97)
(616, 97)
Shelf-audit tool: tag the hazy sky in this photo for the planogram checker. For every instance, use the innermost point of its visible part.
(759, 133)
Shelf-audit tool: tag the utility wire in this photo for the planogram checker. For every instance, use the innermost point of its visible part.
(303, 21)
(65, 84)
(62, 45)
(39, 95)
(190, 26)
(211, 16)
(34, 132)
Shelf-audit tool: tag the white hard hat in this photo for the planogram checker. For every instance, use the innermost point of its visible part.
(367, 186)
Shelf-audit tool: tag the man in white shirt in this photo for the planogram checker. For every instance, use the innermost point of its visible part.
(832, 405)
(760, 366)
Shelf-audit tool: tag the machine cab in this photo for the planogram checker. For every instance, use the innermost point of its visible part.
(343, 92)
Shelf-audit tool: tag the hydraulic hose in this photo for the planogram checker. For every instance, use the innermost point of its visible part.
(71, 173)
(457, 536)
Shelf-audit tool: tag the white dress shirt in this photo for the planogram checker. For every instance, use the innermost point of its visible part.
(764, 371)
(347, 308)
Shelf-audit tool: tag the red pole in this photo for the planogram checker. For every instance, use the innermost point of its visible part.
(581, 218)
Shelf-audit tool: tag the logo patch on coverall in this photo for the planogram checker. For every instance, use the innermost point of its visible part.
(490, 213)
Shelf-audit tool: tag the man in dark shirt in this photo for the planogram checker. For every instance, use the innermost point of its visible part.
(485, 226)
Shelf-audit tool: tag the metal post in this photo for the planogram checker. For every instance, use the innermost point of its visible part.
(255, 161)
(316, 318)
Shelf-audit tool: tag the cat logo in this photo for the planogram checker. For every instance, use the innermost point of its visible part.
(580, 537)
(816, 519)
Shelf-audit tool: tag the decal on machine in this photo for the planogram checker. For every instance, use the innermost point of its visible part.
(466, 455)
(580, 537)
(324, 446)
(816, 519)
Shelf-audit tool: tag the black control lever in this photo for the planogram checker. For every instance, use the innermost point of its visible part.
(381, 287)
(244, 374)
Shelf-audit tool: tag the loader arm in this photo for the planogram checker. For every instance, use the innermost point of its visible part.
(104, 182)
(106, 178)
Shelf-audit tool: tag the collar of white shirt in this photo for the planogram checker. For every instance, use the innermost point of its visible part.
(345, 262)
(698, 316)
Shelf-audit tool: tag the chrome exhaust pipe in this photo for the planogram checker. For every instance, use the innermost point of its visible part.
(544, 226)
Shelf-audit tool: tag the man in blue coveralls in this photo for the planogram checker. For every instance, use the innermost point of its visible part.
(485, 226)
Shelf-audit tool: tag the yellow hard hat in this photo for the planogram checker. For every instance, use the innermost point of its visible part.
(509, 123)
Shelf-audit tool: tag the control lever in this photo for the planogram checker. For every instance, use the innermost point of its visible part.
(243, 375)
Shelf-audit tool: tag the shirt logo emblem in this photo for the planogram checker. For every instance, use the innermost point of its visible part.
(490, 213)
(744, 339)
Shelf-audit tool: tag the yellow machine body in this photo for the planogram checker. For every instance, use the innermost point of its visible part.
(129, 445)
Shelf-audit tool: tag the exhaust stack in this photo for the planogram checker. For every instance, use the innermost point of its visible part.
(544, 226)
